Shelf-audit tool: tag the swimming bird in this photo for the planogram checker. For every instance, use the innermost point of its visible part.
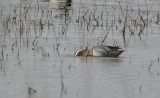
(100, 51)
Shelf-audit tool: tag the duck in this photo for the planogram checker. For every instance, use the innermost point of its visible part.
(100, 51)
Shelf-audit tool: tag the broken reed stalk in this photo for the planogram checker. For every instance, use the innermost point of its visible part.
(62, 77)
(144, 23)
(140, 91)
(124, 26)
(94, 18)
(147, 10)
(102, 18)
(2, 54)
(1, 65)
(85, 14)
(150, 66)
(41, 27)
(43, 52)
(106, 35)
(20, 29)
(1, 14)
(88, 22)
(41, 24)
(142, 26)
(26, 9)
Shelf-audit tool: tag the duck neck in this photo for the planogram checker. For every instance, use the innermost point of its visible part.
(87, 53)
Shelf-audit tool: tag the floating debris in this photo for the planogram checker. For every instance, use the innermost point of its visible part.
(31, 90)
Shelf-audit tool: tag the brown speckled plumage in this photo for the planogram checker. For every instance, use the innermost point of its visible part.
(101, 51)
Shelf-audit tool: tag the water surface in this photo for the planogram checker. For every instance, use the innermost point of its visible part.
(38, 41)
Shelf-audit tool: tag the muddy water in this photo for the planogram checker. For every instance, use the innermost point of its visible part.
(37, 58)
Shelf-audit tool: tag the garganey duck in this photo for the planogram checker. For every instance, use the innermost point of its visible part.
(100, 51)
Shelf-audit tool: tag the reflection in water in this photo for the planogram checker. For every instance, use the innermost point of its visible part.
(102, 76)
(97, 60)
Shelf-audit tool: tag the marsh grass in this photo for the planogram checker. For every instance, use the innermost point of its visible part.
(31, 21)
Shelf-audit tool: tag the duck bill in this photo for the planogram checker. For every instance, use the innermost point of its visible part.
(115, 53)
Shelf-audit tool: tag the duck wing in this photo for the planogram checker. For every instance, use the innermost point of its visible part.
(113, 48)
(115, 52)
(100, 51)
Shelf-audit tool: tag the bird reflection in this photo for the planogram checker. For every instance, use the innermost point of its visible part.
(98, 60)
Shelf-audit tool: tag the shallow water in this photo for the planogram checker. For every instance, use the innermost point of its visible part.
(40, 54)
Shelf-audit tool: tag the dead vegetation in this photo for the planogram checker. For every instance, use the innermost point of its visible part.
(26, 22)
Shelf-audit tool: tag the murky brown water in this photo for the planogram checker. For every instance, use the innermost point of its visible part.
(38, 42)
